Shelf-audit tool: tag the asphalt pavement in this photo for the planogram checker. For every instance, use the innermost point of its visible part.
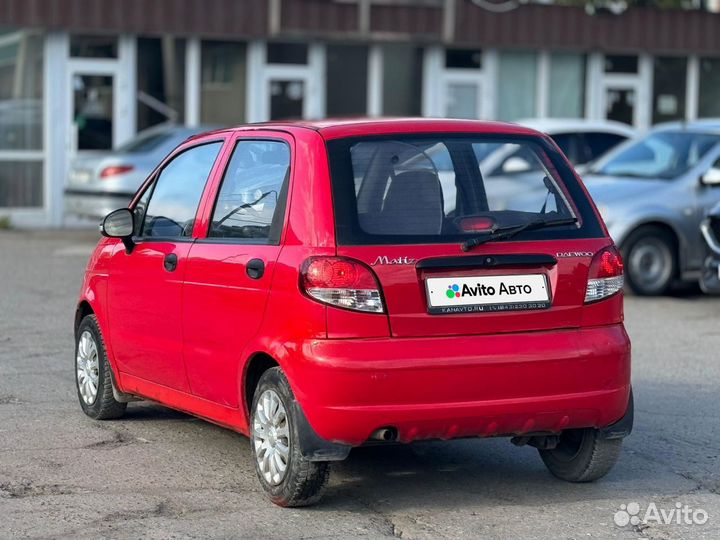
(158, 473)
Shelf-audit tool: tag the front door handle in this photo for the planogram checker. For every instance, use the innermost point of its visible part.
(255, 268)
(170, 262)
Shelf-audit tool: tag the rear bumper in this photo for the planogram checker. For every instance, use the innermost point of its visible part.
(463, 386)
(94, 204)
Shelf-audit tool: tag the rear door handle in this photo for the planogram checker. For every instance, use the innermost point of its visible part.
(170, 262)
(255, 268)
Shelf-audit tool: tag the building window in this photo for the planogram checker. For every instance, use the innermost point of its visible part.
(402, 80)
(669, 79)
(82, 46)
(517, 80)
(93, 115)
(463, 58)
(287, 53)
(21, 119)
(567, 85)
(222, 91)
(287, 98)
(621, 63)
(709, 99)
(160, 80)
(346, 80)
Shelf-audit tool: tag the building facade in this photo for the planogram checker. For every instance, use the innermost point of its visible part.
(81, 76)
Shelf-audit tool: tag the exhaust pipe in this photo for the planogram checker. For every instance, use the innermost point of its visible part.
(386, 434)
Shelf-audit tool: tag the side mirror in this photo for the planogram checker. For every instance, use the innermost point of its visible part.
(515, 165)
(120, 224)
(711, 177)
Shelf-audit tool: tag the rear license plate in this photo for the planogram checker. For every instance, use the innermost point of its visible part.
(487, 294)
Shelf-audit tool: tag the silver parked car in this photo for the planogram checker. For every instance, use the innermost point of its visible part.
(653, 193)
(102, 182)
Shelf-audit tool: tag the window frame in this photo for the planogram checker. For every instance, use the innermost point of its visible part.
(151, 183)
(214, 194)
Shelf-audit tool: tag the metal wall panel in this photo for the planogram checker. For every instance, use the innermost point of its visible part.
(529, 26)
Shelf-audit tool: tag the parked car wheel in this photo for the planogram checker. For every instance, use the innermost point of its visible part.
(288, 478)
(650, 255)
(93, 378)
(581, 455)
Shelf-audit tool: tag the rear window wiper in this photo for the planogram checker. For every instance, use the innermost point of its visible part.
(503, 233)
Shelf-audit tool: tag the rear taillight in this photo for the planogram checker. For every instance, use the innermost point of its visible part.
(342, 282)
(115, 170)
(605, 277)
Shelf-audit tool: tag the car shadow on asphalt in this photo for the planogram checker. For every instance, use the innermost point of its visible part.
(472, 472)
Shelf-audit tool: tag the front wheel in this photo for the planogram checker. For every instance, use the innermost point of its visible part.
(288, 478)
(582, 455)
(93, 378)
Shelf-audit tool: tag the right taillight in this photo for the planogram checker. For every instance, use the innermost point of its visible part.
(605, 277)
(342, 282)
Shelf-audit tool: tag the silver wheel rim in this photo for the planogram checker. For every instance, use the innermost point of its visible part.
(271, 437)
(87, 364)
(650, 264)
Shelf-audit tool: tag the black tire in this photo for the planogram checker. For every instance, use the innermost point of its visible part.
(105, 406)
(651, 261)
(304, 481)
(582, 455)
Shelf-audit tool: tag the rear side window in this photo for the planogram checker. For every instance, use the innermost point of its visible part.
(435, 189)
(251, 201)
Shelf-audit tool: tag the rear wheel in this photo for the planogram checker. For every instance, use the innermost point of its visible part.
(582, 455)
(288, 478)
(650, 256)
(93, 378)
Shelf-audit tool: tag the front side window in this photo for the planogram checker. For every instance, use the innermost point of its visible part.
(438, 189)
(665, 155)
(251, 201)
(176, 195)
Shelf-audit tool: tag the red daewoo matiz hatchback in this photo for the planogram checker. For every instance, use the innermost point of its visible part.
(319, 286)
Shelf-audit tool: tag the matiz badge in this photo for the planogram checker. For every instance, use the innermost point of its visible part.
(384, 259)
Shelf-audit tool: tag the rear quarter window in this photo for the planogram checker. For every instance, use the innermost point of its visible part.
(428, 188)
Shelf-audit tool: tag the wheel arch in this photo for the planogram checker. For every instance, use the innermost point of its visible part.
(258, 363)
(82, 310)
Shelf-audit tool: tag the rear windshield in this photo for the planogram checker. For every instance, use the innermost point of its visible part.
(440, 189)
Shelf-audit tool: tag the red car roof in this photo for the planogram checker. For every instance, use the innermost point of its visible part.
(349, 127)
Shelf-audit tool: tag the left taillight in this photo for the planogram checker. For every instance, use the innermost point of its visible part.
(342, 282)
(114, 170)
(605, 277)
